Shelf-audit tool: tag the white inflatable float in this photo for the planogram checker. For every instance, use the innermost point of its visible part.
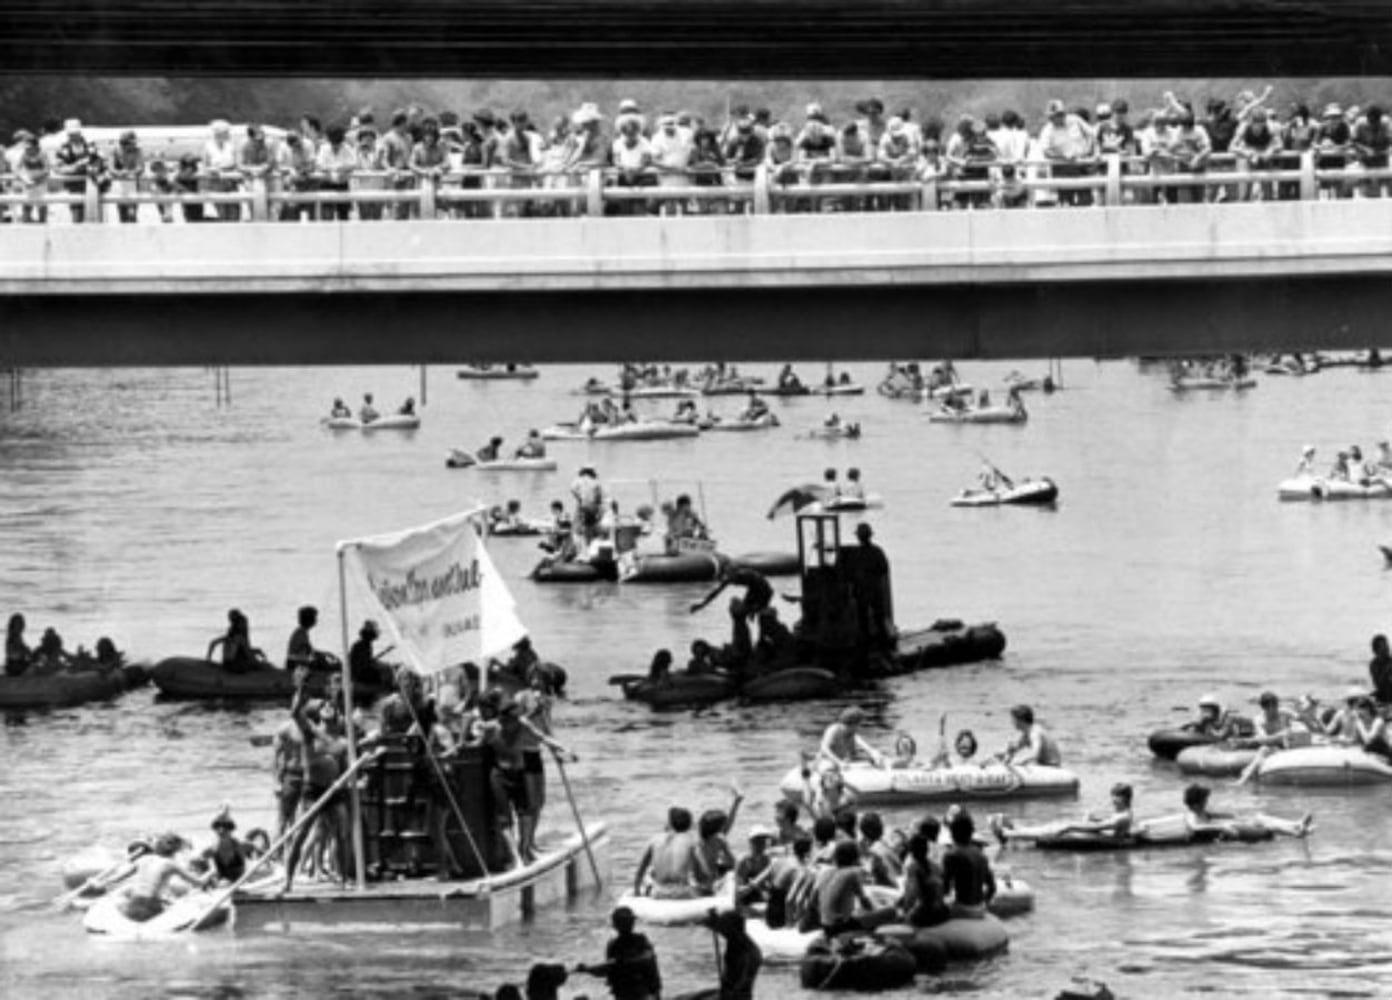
(1318, 488)
(889, 786)
(1330, 766)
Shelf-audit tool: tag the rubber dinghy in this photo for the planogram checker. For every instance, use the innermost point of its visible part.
(197, 679)
(980, 415)
(673, 912)
(394, 422)
(1188, 383)
(1318, 488)
(460, 459)
(894, 786)
(840, 389)
(946, 643)
(342, 423)
(680, 690)
(515, 372)
(1332, 766)
(106, 917)
(1217, 760)
(1030, 492)
(792, 684)
(61, 690)
(766, 422)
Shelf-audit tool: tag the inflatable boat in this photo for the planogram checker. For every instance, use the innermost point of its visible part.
(844, 504)
(841, 432)
(1216, 760)
(661, 392)
(515, 372)
(946, 643)
(1037, 493)
(840, 389)
(1324, 765)
(459, 459)
(690, 566)
(342, 423)
(644, 430)
(1319, 488)
(61, 690)
(681, 690)
(980, 415)
(792, 684)
(894, 786)
(770, 563)
(394, 422)
(188, 677)
(864, 965)
(673, 912)
(959, 939)
(782, 945)
(767, 421)
(1167, 743)
(1187, 383)
(106, 917)
(574, 571)
(1095, 843)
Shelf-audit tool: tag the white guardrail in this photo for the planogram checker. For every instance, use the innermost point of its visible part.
(815, 187)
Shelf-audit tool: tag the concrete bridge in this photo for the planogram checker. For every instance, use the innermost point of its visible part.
(1108, 280)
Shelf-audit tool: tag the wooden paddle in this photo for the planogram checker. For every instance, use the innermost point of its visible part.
(579, 823)
(99, 881)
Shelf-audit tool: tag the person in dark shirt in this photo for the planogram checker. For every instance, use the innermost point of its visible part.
(630, 965)
(758, 593)
(362, 662)
(739, 967)
(966, 870)
(1380, 670)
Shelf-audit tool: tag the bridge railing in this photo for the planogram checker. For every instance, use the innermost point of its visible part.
(794, 188)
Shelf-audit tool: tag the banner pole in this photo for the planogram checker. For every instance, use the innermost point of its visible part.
(354, 797)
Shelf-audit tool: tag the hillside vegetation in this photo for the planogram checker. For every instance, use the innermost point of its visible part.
(27, 101)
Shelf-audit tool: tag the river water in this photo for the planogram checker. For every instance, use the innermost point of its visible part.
(132, 505)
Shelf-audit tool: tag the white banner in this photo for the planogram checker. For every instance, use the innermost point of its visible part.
(440, 598)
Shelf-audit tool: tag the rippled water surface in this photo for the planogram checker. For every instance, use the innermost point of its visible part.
(131, 505)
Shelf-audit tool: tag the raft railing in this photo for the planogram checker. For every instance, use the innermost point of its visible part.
(808, 188)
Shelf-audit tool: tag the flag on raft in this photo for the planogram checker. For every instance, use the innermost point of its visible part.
(439, 596)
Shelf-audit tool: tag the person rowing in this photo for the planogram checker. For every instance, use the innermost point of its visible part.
(993, 480)
(1116, 823)
(842, 745)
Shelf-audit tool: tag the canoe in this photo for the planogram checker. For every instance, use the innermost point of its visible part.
(674, 912)
(895, 786)
(1319, 488)
(980, 415)
(792, 684)
(770, 563)
(464, 460)
(517, 372)
(946, 643)
(1036, 493)
(60, 690)
(767, 421)
(394, 422)
(682, 567)
(1218, 760)
(105, 917)
(1337, 766)
(1189, 383)
(872, 966)
(682, 690)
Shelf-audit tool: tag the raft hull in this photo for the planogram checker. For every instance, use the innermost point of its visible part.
(894, 786)
(946, 644)
(682, 690)
(793, 684)
(60, 690)
(1325, 766)
(770, 563)
(1037, 494)
(683, 567)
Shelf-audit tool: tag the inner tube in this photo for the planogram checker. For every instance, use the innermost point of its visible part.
(966, 939)
(866, 965)
(792, 684)
(929, 953)
(683, 567)
(770, 563)
(682, 690)
(1167, 743)
(1215, 760)
(574, 572)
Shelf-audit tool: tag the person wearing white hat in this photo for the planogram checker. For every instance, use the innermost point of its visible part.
(1214, 721)
(221, 173)
(752, 869)
(672, 148)
(1332, 145)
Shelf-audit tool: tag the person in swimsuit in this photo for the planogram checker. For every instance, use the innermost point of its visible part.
(962, 754)
(340, 409)
(18, 655)
(922, 902)
(229, 856)
(758, 593)
(533, 447)
(321, 758)
(143, 898)
(966, 870)
(1197, 823)
(368, 413)
(677, 864)
(1117, 823)
(300, 651)
(238, 655)
(842, 743)
(1032, 743)
(511, 738)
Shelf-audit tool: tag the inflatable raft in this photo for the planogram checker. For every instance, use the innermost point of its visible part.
(661, 392)
(105, 917)
(459, 459)
(842, 432)
(980, 415)
(645, 430)
(1167, 743)
(342, 423)
(840, 389)
(674, 912)
(865, 965)
(960, 939)
(1336, 766)
(192, 678)
(682, 567)
(61, 690)
(1094, 843)
(394, 422)
(1028, 493)
(770, 563)
(1319, 488)
(575, 571)
(1189, 383)
(844, 505)
(893, 786)
(792, 684)
(680, 690)
(1216, 760)
(515, 372)
(766, 422)
(946, 643)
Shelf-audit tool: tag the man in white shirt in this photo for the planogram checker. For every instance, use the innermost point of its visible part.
(671, 155)
(1068, 143)
(633, 159)
(220, 165)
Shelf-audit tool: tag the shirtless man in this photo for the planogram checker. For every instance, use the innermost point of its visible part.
(676, 863)
(144, 897)
(966, 870)
(842, 743)
(1032, 743)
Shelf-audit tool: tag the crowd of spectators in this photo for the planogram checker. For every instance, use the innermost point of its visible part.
(996, 160)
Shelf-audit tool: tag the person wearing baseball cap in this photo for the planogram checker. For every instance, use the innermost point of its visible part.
(842, 744)
(752, 869)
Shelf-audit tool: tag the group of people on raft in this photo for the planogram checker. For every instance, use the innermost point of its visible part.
(239, 656)
(368, 412)
(962, 403)
(50, 657)
(1350, 466)
(533, 447)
